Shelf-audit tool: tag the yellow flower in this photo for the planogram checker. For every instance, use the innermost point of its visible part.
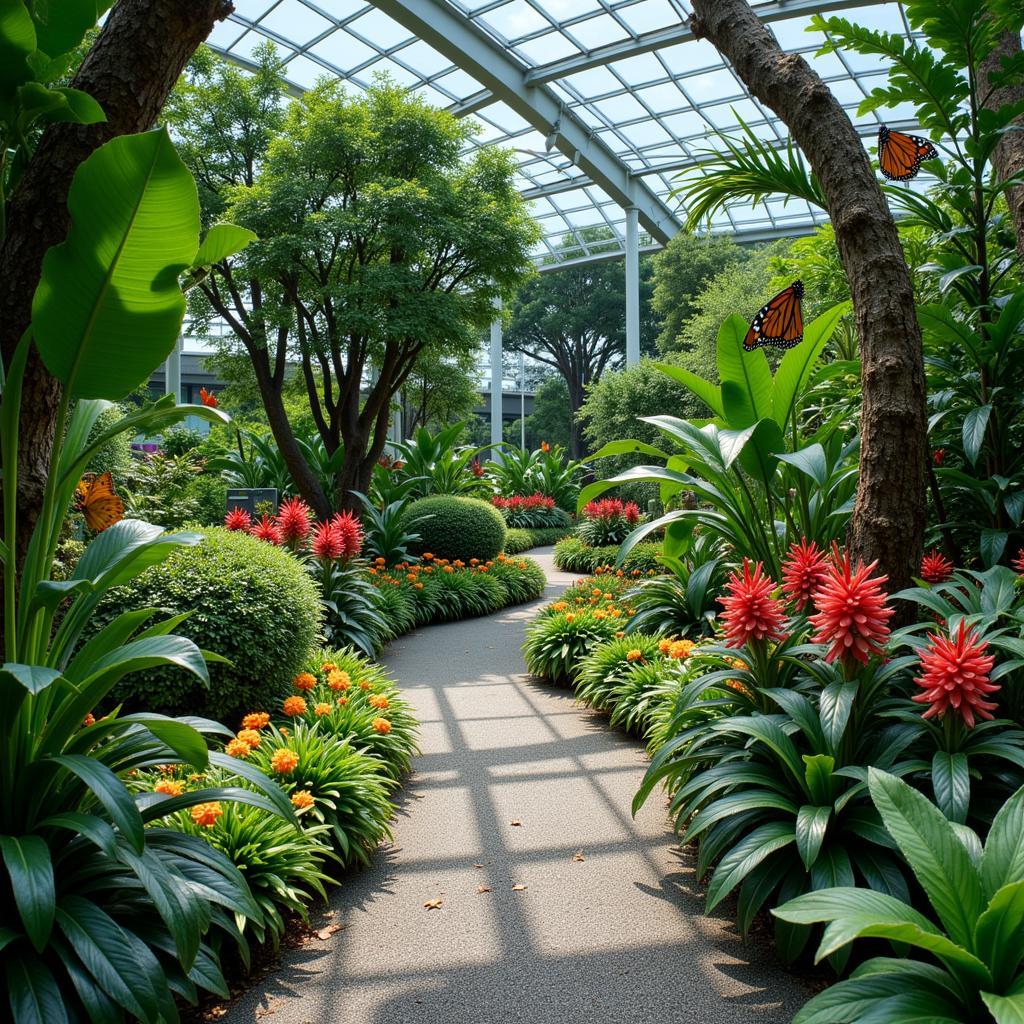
(256, 720)
(382, 725)
(293, 706)
(169, 787)
(302, 798)
(206, 815)
(284, 761)
(322, 709)
(304, 681)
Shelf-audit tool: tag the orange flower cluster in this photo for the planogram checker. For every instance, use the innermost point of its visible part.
(169, 787)
(256, 720)
(338, 680)
(322, 709)
(206, 815)
(301, 799)
(237, 748)
(378, 701)
(284, 761)
(304, 682)
(294, 706)
(382, 725)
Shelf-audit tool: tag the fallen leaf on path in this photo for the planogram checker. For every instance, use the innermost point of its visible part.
(326, 933)
(518, 888)
(432, 905)
(478, 865)
(515, 821)
(578, 856)
(483, 888)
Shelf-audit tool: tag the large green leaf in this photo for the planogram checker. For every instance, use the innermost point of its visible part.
(17, 43)
(999, 933)
(746, 855)
(748, 370)
(27, 859)
(794, 371)
(111, 793)
(1005, 1009)
(811, 825)
(33, 992)
(938, 859)
(108, 308)
(951, 782)
(222, 241)
(975, 425)
(1003, 860)
(710, 394)
(62, 24)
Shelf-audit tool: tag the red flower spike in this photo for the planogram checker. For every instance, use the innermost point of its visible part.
(935, 567)
(851, 614)
(350, 530)
(327, 544)
(939, 456)
(238, 519)
(751, 613)
(955, 676)
(293, 519)
(1018, 563)
(266, 529)
(803, 572)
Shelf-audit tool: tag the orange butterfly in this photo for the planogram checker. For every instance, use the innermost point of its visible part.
(97, 500)
(900, 156)
(779, 322)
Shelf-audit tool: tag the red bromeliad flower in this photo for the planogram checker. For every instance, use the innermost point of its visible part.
(939, 456)
(328, 543)
(852, 617)
(348, 527)
(476, 468)
(293, 519)
(803, 571)
(751, 613)
(612, 508)
(238, 519)
(935, 567)
(208, 398)
(955, 676)
(266, 529)
(1018, 563)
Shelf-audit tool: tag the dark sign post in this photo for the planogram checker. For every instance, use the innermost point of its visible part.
(247, 498)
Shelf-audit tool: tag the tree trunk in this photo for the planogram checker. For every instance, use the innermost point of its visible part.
(889, 515)
(1008, 158)
(577, 392)
(130, 70)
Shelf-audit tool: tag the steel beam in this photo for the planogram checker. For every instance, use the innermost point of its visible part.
(632, 289)
(442, 27)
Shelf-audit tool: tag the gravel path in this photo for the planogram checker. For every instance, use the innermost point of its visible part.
(556, 907)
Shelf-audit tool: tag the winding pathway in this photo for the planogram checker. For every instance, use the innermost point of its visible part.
(556, 907)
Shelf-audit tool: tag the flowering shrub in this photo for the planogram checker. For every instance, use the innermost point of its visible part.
(574, 555)
(533, 511)
(607, 521)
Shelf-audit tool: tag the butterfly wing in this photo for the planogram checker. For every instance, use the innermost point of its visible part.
(99, 502)
(779, 322)
(900, 156)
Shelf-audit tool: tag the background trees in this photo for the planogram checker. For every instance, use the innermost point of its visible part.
(377, 245)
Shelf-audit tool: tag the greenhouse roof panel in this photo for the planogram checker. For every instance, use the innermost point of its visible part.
(604, 102)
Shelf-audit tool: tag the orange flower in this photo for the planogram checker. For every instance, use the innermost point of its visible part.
(448, 568)
(665, 645)
(364, 685)
(342, 701)
(256, 720)
(238, 748)
(90, 719)
(250, 737)
(619, 634)
(545, 447)
(328, 667)
(382, 725)
(418, 586)
(304, 681)
(680, 649)
(293, 706)
(284, 761)
(559, 606)
(302, 798)
(206, 815)
(427, 556)
(322, 709)
(169, 787)
(339, 680)
(379, 701)
(635, 655)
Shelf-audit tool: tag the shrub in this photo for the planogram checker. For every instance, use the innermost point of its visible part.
(556, 644)
(521, 578)
(608, 666)
(573, 555)
(534, 511)
(397, 609)
(207, 493)
(456, 527)
(517, 541)
(607, 521)
(247, 601)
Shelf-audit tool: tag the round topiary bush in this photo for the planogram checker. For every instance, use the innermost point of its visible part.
(249, 601)
(456, 528)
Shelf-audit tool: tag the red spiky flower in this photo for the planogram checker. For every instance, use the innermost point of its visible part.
(803, 571)
(939, 456)
(238, 519)
(1018, 563)
(751, 613)
(208, 398)
(955, 676)
(350, 530)
(852, 617)
(936, 567)
(293, 520)
(327, 543)
(266, 529)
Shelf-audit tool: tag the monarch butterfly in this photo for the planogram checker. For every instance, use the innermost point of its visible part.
(98, 502)
(779, 322)
(900, 156)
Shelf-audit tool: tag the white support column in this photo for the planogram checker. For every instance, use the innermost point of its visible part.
(632, 286)
(496, 380)
(172, 370)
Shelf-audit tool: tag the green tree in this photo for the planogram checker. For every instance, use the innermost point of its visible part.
(378, 245)
(681, 271)
(550, 420)
(441, 389)
(574, 320)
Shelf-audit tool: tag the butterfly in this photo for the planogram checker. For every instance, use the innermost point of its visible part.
(779, 322)
(97, 500)
(900, 156)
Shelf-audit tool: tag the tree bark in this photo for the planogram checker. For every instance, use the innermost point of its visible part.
(889, 515)
(130, 70)
(1008, 158)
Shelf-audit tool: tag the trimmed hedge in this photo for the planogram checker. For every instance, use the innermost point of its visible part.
(248, 601)
(572, 555)
(519, 540)
(456, 528)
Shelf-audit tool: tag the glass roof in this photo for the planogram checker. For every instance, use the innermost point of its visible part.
(625, 75)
